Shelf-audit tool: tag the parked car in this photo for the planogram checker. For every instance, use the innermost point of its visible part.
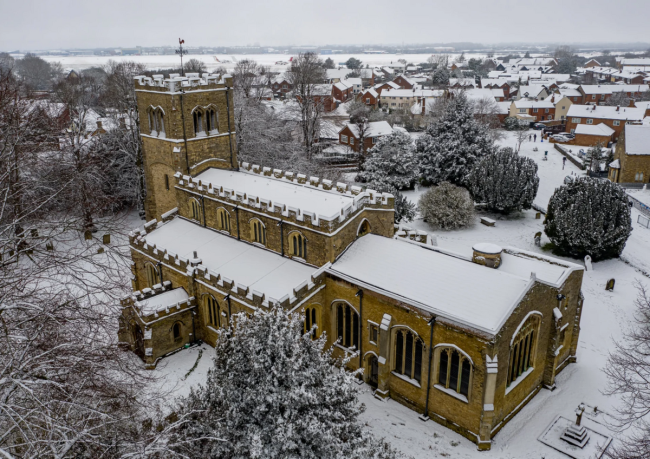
(560, 138)
(539, 126)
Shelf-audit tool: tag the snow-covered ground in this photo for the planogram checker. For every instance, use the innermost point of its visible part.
(605, 318)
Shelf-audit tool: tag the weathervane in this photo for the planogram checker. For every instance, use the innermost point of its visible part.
(180, 51)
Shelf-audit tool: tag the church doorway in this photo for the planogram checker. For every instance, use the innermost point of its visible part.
(138, 339)
(373, 376)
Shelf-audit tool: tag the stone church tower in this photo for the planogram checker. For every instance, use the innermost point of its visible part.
(187, 126)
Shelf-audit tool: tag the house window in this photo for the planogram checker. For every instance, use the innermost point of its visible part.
(298, 245)
(546, 110)
(374, 334)
(590, 121)
(593, 97)
(310, 322)
(534, 110)
(258, 232)
(152, 275)
(454, 370)
(638, 177)
(408, 355)
(223, 219)
(351, 140)
(176, 330)
(575, 99)
(213, 311)
(344, 139)
(284, 86)
(576, 120)
(617, 123)
(347, 325)
(522, 352)
(195, 210)
(368, 100)
(522, 110)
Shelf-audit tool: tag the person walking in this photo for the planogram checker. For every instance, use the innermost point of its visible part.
(563, 162)
(535, 137)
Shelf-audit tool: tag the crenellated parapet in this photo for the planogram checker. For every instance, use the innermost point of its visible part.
(139, 299)
(309, 218)
(175, 83)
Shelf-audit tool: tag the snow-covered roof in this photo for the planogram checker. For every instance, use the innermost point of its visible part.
(523, 103)
(409, 93)
(484, 93)
(392, 84)
(445, 284)
(531, 91)
(163, 300)
(637, 140)
(343, 85)
(375, 128)
(353, 81)
(594, 129)
(303, 197)
(333, 74)
(504, 107)
(372, 92)
(246, 264)
(605, 112)
(570, 92)
(636, 62)
(612, 88)
(642, 104)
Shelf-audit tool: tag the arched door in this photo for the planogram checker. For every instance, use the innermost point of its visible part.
(373, 376)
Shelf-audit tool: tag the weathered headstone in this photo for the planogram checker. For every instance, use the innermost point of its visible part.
(106, 238)
(538, 238)
(610, 285)
(100, 250)
(588, 266)
(88, 235)
(538, 215)
(49, 246)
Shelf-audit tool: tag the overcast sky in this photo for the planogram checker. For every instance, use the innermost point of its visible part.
(50, 24)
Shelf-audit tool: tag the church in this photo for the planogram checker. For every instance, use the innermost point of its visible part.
(464, 340)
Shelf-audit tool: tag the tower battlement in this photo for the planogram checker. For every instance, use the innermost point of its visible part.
(176, 83)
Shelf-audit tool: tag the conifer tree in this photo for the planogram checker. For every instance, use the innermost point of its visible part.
(453, 144)
(589, 217)
(391, 162)
(505, 181)
(273, 393)
(447, 206)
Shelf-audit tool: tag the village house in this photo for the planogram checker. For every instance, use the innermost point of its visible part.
(404, 82)
(642, 62)
(496, 83)
(533, 92)
(466, 341)
(485, 93)
(631, 163)
(591, 63)
(590, 135)
(389, 85)
(350, 135)
(370, 97)
(614, 117)
(532, 110)
(561, 103)
(281, 85)
(404, 98)
(599, 94)
(342, 91)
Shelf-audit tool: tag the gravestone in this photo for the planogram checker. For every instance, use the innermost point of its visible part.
(538, 215)
(538, 238)
(610, 285)
(88, 235)
(588, 266)
(106, 238)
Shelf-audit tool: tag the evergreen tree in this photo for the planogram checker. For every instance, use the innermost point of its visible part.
(453, 144)
(405, 210)
(273, 393)
(589, 217)
(447, 206)
(329, 63)
(391, 162)
(440, 76)
(505, 181)
(595, 157)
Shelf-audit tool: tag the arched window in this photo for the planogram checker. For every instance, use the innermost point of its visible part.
(214, 312)
(161, 123)
(152, 126)
(198, 123)
(522, 351)
(195, 210)
(211, 121)
(223, 219)
(408, 354)
(364, 228)
(298, 245)
(454, 370)
(310, 321)
(152, 275)
(176, 330)
(347, 321)
(258, 232)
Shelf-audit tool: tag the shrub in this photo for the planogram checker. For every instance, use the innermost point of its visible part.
(447, 206)
(505, 181)
(589, 217)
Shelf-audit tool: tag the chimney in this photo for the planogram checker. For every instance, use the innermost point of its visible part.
(487, 254)
(618, 107)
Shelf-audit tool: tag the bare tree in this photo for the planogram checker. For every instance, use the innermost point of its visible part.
(305, 74)
(628, 371)
(486, 111)
(35, 72)
(195, 66)
(520, 137)
(245, 76)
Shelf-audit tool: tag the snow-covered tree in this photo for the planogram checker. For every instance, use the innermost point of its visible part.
(440, 76)
(589, 217)
(511, 123)
(628, 371)
(405, 210)
(447, 206)
(595, 157)
(391, 162)
(452, 145)
(505, 181)
(274, 393)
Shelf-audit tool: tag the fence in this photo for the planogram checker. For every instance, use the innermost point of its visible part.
(639, 205)
(643, 221)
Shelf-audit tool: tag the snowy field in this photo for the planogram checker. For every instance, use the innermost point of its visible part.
(228, 61)
(605, 318)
